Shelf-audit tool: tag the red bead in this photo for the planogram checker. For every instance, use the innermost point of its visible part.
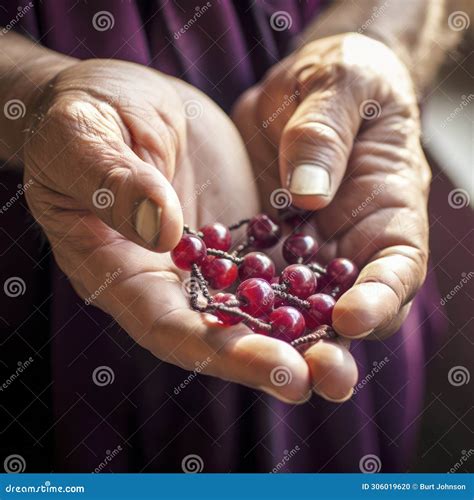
(264, 231)
(287, 323)
(225, 318)
(256, 296)
(189, 250)
(257, 265)
(319, 311)
(299, 248)
(219, 273)
(342, 272)
(299, 280)
(216, 236)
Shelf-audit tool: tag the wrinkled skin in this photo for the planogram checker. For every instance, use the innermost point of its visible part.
(346, 103)
(119, 126)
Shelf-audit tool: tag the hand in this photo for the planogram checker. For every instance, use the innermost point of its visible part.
(337, 124)
(119, 127)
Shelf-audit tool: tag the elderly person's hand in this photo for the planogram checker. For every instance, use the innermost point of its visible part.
(336, 123)
(114, 160)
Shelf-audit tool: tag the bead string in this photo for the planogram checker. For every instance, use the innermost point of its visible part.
(322, 332)
(239, 224)
(225, 255)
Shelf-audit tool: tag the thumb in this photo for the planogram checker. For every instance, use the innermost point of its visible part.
(135, 199)
(315, 146)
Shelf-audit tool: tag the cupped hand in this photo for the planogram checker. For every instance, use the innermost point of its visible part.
(117, 157)
(336, 124)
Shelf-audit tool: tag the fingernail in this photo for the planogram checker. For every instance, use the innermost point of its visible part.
(147, 222)
(332, 400)
(310, 180)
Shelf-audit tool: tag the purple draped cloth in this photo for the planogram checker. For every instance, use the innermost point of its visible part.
(141, 422)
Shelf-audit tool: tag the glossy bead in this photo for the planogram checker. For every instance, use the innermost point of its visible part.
(264, 231)
(216, 236)
(342, 272)
(287, 323)
(225, 318)
(189, 250)
(219, 273)
(256, 296)
(319, 311)
(257, 265)
(299, 248)
(299, 280)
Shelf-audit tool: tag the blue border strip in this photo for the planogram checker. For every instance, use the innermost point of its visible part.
(238, 486)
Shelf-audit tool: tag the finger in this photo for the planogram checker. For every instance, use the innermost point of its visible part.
(333, 370)
(377, 302)
(316, 144)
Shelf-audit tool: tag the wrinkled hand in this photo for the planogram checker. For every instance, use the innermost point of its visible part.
(110, 136)
(336, 123)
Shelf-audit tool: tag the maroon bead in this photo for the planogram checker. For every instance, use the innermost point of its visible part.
(256, 296)
(257, 265)
(216, 236)
(299, 280)
(219, 273)
(264, 231)
(189, 250)
(299, 248)
(225, 318)
(342, 272)
(287, 323)
(319, 311)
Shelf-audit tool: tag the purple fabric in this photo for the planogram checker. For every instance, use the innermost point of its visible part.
(230, 427)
